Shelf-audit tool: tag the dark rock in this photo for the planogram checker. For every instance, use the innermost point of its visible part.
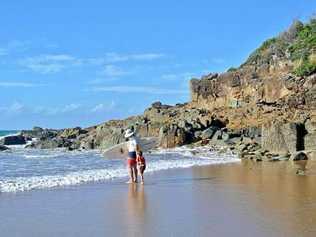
(299, 156)
(13, 140)
(210, 76)
(4, 148)
(310, 137)
(281, 137)
(57, 142)
(156, 105)
(209, 132)
(217, 123)
(252, 132)
(236, 81)
(172, 136)
(40, 133)
(72, 133)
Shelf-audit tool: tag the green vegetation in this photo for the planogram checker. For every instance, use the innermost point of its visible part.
(299, 43)
(266, 44)
(305, 44)
(305, 68)
(263, 52)
(232, 69)
(303, 50)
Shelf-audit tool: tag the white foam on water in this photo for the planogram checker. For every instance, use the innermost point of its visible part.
(40, 156)
(157, 161)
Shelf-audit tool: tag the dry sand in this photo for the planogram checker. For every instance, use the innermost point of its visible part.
(246, 199)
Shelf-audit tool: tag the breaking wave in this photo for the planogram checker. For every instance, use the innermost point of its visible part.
(33, 169)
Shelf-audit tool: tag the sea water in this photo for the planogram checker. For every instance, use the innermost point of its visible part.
(27, 169)
(4, 133)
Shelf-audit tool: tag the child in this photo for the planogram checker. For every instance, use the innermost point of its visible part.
(141, 165)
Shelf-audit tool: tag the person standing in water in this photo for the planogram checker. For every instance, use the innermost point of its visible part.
(141, 165)
(132, 148)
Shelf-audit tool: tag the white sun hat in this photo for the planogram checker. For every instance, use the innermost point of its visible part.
(129, 133)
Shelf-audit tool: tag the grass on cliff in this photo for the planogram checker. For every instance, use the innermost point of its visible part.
(299, 42)
(303, 50)
(306, 67)
(305, 43)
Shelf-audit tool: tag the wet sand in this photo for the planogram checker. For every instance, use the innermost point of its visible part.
(246, 199)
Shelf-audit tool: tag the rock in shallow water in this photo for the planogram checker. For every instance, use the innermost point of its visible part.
(13, 140)
(4, 148)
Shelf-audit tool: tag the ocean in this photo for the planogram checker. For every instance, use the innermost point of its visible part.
(7, 132)
(29, 169)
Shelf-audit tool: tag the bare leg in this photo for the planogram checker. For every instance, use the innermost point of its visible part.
(131, 175)
(135, 174)
(141, 173)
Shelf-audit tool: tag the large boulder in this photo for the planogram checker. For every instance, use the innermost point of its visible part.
(53, 143)
(299, 156)
(4, 148)
(209, 132)
(40, 133)
(279, 137)
(172, 136)
(13, 140)
(107, 136)
(72, 133)
(310, 137)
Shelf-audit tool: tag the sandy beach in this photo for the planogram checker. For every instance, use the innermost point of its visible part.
(241, 199)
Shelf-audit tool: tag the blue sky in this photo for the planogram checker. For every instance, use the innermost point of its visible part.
(79, 63)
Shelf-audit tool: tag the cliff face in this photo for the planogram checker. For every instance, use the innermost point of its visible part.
(278, 81)
(275, 89)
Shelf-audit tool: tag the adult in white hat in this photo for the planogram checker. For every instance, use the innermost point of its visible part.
(132, 148)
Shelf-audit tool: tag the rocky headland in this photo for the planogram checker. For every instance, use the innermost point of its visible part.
(264, 110)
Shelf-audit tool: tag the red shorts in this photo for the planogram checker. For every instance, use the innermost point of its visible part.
(131, 162)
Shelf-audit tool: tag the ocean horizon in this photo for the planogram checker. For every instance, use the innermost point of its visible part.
(8, 132)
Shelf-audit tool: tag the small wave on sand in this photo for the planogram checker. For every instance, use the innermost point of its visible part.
(29, 170)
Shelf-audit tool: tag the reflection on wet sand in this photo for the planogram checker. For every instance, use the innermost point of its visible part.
(287, 198)
(243, 199)
(135, 209)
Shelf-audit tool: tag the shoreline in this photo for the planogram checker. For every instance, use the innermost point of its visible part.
(89, 166)
(186, 157)
(252, 199)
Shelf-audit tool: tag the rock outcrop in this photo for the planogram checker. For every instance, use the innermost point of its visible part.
(4, 148)
(13, 140)
(265, 109)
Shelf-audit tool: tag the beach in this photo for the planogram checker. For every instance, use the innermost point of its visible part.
(237, 199)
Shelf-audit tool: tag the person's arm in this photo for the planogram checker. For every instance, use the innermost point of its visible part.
(138, 148)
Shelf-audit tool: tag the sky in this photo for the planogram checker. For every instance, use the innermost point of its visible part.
(80, 63)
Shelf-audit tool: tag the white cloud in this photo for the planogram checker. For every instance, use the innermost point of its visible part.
(115, 57)
(15, 108)
(138, 89)
(70, 108)
(103, 107)
(53, 63)
(45, 110)
(50, 63)
(113, 71)
(19, 84)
